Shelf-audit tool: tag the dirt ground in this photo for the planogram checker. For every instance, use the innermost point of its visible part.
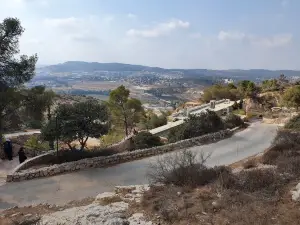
(18, 216)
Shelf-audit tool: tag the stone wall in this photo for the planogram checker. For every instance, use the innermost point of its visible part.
(18, 175)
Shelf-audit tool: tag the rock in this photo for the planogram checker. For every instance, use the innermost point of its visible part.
(15, 214)
(138, 218)
(296, 193)
(112, 214)
(107, 197)
(178, 193)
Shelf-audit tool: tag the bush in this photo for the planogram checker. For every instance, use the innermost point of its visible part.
(262, 181)
(145, 139)
(197, 125)
(36, 145)
(232, 121)
(183, 169)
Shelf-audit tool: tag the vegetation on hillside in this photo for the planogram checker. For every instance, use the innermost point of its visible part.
(77, 121)
(125, 111)
(197, 125)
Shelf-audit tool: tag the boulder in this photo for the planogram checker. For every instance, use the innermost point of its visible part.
(107, 198)
(296, 193)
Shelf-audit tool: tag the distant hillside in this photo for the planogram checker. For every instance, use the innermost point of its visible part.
(79, 66)
(76, 66)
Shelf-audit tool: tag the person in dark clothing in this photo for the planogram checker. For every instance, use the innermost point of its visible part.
(22, 156)
(8, 149)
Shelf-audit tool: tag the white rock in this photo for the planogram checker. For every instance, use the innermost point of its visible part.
(296, 193)
(138, 218)
(112, 214)
(106, 197)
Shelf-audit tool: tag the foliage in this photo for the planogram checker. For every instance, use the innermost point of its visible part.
(247, 88)
(13, 71)
(35, 144)
(145, 139)
(125, 111)
(270, 85)
(239, 112)
(114, 136)
(291, 97)
(293, 123)
(232, 121)
(197, 125)
(38, 101)
(218, 92)
(78, 121)
(151, 120)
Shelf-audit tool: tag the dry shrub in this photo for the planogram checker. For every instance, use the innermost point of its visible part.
(251, 163)
(286, 144)
(289, 165)
(183, 169)
(264, 182)
(239, 208)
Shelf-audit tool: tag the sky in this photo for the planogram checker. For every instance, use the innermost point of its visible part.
(211, 34)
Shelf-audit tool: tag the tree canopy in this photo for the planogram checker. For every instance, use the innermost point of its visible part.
(218, 92)
(14, 71)
(126, 111)
(77, 121)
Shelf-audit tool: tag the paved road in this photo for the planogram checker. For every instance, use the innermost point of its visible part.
(74, 186)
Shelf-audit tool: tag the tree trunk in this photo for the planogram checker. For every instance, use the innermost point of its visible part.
(83, 143)
(69, 145)
(125, 121)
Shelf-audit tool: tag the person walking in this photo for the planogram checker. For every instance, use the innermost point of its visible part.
(8, 149)
(22, 156)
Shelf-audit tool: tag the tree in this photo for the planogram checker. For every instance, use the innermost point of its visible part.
(150, 120)
(13, 71)
(38, 101)
(78, 121)
(247, 88)
(125, 110)
(270, 85)
(291, 97)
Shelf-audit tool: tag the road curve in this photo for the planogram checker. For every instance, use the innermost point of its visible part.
(75, 186)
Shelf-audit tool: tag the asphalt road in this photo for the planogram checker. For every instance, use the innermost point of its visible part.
(75, 186)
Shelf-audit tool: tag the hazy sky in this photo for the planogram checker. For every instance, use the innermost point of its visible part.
(214, 34)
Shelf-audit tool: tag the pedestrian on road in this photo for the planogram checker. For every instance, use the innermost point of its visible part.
(8, 149)
(22, 156)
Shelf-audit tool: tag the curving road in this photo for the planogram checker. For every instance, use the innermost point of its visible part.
(75, 186)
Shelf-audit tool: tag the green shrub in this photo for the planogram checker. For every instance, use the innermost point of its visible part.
(232, 121)
(197, 125)
(36, 145)
(239, 112)
(145, 139)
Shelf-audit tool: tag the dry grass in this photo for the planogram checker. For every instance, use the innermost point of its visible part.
(250, 197)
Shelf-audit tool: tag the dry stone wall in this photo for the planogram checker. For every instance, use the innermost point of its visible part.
(19, 175)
